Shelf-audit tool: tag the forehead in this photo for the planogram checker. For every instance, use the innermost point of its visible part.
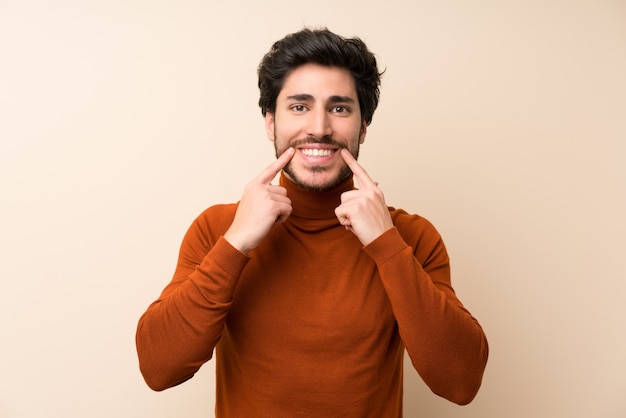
(319, 81)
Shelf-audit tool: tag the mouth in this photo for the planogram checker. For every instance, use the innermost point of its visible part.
(318, 152)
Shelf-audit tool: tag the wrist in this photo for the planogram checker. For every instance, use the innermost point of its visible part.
(237, 242)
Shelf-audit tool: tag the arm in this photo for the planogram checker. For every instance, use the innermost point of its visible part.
(178, 332)
(446, 344)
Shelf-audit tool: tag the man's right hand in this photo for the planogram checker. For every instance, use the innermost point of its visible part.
(262, 206)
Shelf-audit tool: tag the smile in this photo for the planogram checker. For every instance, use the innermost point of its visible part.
(317, 153)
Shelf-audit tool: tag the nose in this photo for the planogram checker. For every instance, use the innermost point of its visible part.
(319, 124)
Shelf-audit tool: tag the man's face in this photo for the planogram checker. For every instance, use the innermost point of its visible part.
(317, 113)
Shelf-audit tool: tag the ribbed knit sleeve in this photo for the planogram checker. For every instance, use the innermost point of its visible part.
(445, 342)
(178, 332)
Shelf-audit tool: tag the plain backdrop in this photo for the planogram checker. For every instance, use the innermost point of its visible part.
(503, 122)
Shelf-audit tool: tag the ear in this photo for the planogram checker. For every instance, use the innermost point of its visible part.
(362, 133)
(269, 126)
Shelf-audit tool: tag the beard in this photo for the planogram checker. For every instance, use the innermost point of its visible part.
(331, 183)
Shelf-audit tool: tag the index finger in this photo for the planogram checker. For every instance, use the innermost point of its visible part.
(268, 174)
(359, 172)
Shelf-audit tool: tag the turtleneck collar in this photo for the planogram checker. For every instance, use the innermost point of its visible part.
(314, 205)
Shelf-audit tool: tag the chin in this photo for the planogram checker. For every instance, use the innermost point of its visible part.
(318, 179)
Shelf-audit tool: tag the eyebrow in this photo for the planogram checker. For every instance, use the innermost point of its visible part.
(341, 99)
(304, 97)
(301, 98)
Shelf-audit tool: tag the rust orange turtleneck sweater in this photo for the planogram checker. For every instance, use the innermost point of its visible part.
(311, 323)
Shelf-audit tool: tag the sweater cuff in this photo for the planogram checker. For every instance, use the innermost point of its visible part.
(228, 258)
(386, 246)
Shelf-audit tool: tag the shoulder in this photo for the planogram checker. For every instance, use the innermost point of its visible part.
(216, 219)
(210, 225)
(413, 226)
(217, 215)
(420, 234)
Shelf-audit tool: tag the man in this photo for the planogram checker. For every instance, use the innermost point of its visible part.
(310, 291)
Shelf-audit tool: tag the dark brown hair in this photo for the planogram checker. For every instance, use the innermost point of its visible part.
(322, 47)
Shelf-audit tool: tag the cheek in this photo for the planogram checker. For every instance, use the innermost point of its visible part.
(286, 134)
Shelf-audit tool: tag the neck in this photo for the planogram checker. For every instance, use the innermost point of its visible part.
(313, 204)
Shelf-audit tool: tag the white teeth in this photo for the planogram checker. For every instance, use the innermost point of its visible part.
(314, 152)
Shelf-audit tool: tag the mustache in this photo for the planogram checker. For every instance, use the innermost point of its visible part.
(311, 139)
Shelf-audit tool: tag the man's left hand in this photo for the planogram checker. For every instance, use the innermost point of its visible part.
(363, 211)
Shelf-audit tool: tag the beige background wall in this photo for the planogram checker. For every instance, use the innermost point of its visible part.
(503, 122)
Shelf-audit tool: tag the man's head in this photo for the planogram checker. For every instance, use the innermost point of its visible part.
(325, 48)
(318, 95)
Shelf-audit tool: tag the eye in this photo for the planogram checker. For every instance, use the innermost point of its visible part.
(298, 108)
(340, 109)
